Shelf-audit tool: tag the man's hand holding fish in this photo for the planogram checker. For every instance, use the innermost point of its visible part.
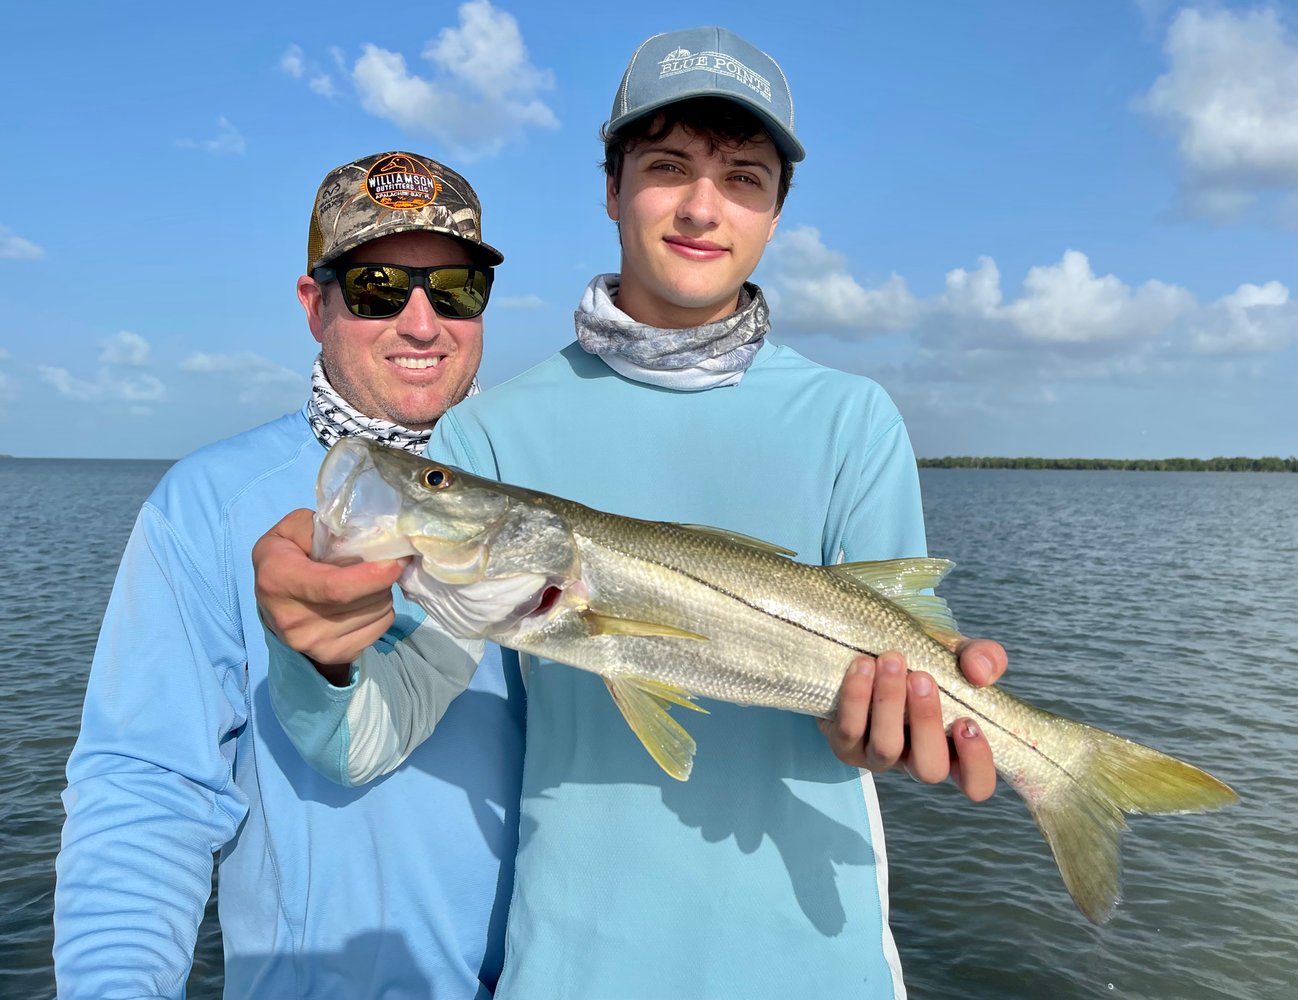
(330, 614)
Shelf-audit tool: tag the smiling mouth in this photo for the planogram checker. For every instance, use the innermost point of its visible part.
(689, 244)
(416, 362)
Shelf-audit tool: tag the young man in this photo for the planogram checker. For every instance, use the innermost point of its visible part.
(764, 874)
(178, 756)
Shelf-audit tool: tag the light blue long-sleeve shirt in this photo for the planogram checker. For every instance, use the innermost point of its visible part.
(394, 889)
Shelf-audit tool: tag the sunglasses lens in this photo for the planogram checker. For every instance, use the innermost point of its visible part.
(376, 290)
(459, 292)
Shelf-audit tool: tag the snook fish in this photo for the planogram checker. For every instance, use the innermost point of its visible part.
(665, 613)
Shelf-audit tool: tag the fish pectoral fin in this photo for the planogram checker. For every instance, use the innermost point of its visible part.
(602, 624)
(903, 582)
(738, 539)
(643, 704)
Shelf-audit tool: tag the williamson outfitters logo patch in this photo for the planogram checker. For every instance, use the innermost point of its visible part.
(398, 181)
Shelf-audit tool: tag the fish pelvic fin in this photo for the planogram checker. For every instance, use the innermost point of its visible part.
(643, 703)
(1081, 816)
(903, 582)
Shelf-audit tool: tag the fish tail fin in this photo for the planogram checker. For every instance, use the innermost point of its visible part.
(1081, 816)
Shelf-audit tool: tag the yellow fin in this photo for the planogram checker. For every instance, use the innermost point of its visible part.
(894, 577)
(608, 625)
(738, 539)
(902, 581)
(1079, 808)
(643, 704)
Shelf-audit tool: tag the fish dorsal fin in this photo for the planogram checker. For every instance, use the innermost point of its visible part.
(601, 624)
(738, 539)
(643, 703)
(902, 581)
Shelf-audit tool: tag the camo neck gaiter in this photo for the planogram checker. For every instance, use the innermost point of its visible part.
(332, 418)
(699, 357)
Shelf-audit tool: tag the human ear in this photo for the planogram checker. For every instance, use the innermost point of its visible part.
(610, 198)
(311, 295)
(774, 222)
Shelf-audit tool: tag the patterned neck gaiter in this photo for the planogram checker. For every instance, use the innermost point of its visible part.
(698, 357)
(332, 418)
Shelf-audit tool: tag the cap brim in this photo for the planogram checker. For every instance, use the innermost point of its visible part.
(494, 257)
(785, 141)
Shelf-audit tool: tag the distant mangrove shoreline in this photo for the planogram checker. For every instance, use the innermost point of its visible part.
(1238, 464)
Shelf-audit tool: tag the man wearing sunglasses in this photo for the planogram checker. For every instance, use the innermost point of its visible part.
(396, 889)
(764, 875)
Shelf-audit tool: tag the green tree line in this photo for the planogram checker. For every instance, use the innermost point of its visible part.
(1236, 464)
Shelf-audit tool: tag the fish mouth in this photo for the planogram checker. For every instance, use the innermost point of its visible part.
(356, 508)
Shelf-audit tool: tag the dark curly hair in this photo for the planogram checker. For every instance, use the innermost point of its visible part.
(723, 123)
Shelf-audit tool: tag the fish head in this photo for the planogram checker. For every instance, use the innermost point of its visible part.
(488, 557)
(374, 502)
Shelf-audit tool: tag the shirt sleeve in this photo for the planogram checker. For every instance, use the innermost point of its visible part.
(151, 793)
(877, 513)
(397, 692)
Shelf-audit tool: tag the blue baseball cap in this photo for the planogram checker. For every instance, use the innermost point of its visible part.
(707, 62)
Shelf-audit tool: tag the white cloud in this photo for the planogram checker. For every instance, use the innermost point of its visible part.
(227, 142)
(1068, 322)
(124, 348)
(1066, 302)
(136, 390)
(484, 90)
(1250, 319)
(811, 290)
(13, 247)
(293, 61)
(529, 302)
(487, 51)
(257, 378)
(1230, 96)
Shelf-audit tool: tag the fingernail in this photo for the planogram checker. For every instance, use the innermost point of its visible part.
(970, 729)
(982, 664)
(891, 663)
(921, 684)
(864, 667)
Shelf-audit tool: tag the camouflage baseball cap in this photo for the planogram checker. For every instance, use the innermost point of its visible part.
(390, 193)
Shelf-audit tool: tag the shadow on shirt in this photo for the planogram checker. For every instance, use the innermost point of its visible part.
(369, 966)
(474, 716)
(758, 774)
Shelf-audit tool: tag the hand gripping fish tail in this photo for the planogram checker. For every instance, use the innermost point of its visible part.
(666, 613)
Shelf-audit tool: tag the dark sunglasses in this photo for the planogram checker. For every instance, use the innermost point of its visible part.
(378, 291)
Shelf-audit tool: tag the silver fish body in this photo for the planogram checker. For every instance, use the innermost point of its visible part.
(665, 613)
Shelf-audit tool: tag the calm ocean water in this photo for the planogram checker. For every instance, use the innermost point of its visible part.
(1159, 605)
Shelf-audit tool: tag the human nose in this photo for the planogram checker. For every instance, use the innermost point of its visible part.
(419, 319)
(701, 203)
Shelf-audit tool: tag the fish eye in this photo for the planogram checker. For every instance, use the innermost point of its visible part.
(437, 478)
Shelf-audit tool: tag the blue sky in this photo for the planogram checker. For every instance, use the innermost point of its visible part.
(1047, 229)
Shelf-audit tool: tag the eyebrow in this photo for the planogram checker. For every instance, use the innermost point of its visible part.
(730, 161)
